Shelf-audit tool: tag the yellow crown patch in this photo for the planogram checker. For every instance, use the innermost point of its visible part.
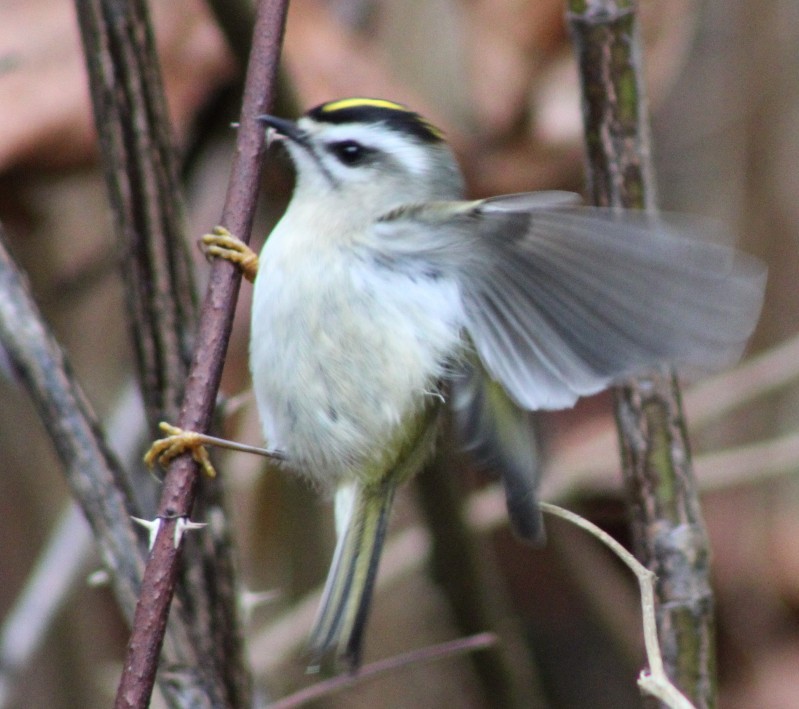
(366, 110)
(345, 103)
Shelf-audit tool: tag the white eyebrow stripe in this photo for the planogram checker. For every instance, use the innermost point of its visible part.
(400, 146)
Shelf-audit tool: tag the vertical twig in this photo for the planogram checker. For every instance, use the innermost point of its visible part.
(668, 528)
(141, 174)
(146, 197)
(180, 485)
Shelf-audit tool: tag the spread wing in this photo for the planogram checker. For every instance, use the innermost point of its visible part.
(561, 301)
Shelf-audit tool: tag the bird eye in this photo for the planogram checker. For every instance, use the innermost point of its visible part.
(349, 152)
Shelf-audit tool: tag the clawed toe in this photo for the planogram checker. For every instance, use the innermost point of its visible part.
(222, 244)
(176, 443)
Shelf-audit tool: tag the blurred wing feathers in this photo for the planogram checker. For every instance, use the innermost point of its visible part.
(561, 301)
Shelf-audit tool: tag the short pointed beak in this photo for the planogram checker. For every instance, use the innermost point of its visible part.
(282, 128)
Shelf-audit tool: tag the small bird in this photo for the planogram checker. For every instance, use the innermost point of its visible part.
(382, 298)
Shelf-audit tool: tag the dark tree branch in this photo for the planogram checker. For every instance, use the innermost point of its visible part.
(181, 483)
(146, 197)
(668, 527)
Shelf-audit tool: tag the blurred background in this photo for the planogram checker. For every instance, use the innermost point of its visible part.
(499, 77)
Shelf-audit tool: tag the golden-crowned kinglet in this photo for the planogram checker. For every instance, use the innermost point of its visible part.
(382, 298)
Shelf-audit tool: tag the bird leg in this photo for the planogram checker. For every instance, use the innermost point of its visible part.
(179, 441)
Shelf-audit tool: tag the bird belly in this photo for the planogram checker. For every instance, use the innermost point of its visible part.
(346, 361)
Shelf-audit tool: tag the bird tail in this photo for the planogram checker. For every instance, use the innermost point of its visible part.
(362, 516)
(501, 437)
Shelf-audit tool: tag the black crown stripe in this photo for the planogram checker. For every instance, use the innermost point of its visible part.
(368, 110)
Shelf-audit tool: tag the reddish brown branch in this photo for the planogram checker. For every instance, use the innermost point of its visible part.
(180, 485)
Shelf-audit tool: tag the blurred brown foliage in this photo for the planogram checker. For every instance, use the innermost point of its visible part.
(499, 76)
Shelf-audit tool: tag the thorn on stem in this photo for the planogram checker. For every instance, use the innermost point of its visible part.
(152, 526)
(184, 524)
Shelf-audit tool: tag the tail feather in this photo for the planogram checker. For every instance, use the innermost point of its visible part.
(501, 437)
(347, 596)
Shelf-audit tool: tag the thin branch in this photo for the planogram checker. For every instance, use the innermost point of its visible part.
(749, 464)
(426, 655)
(758, 376)
(52, 581)
(655, 681)
(180, 485)
(667, 522)
(594, 469)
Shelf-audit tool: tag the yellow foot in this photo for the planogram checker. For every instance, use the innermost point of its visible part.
(177, 442)
(220, 242)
